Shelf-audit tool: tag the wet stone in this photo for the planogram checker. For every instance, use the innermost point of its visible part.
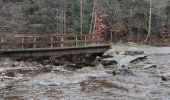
(10, 74)
(166, 77)
(108, 61)
(136, 89)
(70, 67)
(94, 84)
(47, 68)
(124, 72)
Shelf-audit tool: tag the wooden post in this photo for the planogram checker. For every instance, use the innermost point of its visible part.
(98, 39)
(22, 42)
(2, 40)
(76, 41)
(111, 37)
(62, 42)
(85, 41)
(51, 42)
(34, 43)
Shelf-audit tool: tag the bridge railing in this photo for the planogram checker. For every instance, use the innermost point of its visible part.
(24, 41)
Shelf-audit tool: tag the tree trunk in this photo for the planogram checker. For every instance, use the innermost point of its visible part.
(81, 16)
(150, 21)
(91, 25)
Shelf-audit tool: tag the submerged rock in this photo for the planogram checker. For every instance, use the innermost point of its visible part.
(124, 72)
(166, 77)
(10, 74)
(94, 84)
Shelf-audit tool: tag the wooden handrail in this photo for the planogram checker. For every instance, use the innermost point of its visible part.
(45, 42)
(50, 39)
(44, 35)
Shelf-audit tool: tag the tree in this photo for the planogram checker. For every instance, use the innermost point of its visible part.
(150, 21)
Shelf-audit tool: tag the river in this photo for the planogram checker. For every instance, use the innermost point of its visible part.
(31, 82)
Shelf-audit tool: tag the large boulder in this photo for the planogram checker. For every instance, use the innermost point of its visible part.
(110, 53)
(122, 56)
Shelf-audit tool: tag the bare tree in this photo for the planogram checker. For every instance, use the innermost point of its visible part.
(92, 20)
(150, 21)
(81, 16)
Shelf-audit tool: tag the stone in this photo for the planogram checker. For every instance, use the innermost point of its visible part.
(16, 64)
(47, 68)
(126, 72)
(70, 67)
(135, 89)
(149, 66)
(10, 74)
(166, 77)
(134, 52)
(123, 50)
(98, 58)
(108, 61)
(110, 53)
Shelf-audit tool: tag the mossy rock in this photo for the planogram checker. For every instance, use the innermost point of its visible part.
(10, 74)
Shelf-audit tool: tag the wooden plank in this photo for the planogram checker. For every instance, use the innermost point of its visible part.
(27, 43)
(24, 35)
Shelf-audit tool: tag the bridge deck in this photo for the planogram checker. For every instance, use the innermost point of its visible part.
(54, 51)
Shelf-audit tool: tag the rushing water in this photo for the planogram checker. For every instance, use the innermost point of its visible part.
(28, 81)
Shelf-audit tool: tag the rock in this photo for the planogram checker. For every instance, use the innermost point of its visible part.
(110, 53)
(121, 53)
(108, 61)
(21, 64)
(126, 72)
(39, 65)
(123, 50)
(149, 66)
(122, 56)
(16, 64)
(47, 68)
(136, 89)
(134, 52)
(10, 74)
(94, 84)
(166, 77)
(124, 61)
(70, 67)
(138, 58)
(98, 58)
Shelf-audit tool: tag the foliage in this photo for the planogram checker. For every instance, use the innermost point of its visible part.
(128, 17)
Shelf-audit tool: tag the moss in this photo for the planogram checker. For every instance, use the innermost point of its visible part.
(10, 74)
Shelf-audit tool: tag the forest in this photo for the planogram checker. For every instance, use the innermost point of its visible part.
(129, 20)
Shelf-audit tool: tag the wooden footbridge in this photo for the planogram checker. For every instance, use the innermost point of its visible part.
(20, 45)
